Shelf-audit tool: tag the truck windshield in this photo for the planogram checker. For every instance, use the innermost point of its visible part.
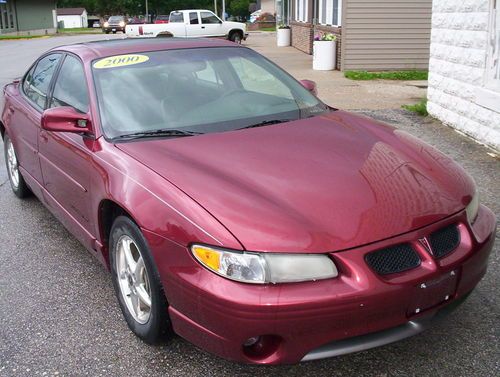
(199, 90)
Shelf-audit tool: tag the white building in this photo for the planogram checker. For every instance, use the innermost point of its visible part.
(464, 70)
(72, 17)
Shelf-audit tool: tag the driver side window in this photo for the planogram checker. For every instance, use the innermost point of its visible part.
(209, 18)
(71, 86)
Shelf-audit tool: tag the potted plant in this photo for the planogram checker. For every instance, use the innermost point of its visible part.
(324, 52)
(283, 35)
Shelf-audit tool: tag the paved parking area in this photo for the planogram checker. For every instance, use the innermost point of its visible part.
(59, 316)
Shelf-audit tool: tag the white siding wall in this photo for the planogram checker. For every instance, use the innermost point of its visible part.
(71, 21)
(381, 35)
(457, 70)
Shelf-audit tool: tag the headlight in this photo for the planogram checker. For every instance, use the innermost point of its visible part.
(260, 268)
(122, 24)
(472, 209)
(106, 24)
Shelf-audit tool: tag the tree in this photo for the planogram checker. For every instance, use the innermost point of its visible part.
(239, 7)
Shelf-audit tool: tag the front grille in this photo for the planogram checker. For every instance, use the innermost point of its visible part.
(444, 241)
(393, 259)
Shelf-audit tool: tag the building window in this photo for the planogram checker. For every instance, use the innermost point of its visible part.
(301, 10)
(330, 12)
(493, 60)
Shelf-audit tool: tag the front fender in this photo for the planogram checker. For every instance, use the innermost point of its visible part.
(154, 203)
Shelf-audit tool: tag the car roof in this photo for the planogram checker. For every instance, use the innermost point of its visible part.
(89, 51)
(192, 10)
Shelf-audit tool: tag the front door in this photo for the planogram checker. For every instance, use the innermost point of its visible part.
(65, 157)
(211, 25)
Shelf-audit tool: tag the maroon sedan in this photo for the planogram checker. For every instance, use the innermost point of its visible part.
(235, 208)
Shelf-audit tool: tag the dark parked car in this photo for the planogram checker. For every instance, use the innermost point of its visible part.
(114, 24)
(235, 208)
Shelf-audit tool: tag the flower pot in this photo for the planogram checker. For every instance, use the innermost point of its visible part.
(283, 37)
(324, 55)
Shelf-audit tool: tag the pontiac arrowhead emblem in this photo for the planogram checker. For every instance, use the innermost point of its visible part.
(426, 245)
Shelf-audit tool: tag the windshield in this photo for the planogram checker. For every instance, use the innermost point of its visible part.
(201, 90)
(115, 19)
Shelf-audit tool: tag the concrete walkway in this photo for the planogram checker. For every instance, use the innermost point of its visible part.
(333, 87)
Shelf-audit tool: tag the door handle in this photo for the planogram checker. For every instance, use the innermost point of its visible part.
(203, 27)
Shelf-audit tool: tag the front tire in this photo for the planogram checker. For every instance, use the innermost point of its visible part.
(137, 283)
(17, 183)
(235, 37)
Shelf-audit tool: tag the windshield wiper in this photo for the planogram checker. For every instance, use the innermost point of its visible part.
(266, 123)
(156, 133)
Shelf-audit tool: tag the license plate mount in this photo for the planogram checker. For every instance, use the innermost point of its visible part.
(433, 292)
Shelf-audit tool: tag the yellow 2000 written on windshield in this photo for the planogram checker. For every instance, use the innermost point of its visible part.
(120, 61)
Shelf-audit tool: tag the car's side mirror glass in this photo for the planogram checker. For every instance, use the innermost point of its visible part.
(66, 119)
(310, 85)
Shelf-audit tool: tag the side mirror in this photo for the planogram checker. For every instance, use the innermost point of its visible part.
(310, 85)
(65, 119)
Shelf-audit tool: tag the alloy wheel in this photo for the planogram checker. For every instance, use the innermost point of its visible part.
(133, 279)
(12, 165)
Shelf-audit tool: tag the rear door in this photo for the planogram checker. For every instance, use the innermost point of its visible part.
(65, 157)
(193, 27)
(26, 114)
(211, 25)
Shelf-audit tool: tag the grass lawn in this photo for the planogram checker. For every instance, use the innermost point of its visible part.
(419, 108)
(6, 37)
(398, 75)
(80, 30)
(273, 28)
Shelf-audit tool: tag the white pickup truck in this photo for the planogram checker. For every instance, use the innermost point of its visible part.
(191, 23)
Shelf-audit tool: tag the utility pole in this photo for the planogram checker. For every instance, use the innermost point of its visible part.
(223, 10)
(215, 6)
(147, 12)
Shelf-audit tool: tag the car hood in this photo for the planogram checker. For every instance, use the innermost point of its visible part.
(327, 183)
(238, 25)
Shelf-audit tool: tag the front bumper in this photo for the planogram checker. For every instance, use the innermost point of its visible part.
(112, 28)
(306, 321)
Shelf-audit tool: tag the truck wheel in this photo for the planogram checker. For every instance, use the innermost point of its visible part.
(235, 37)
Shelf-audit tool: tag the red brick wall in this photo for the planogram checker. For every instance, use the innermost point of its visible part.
(302, 36)
(334, 30)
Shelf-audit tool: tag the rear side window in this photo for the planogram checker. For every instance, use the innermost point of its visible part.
(193, 18)
(176, 17)
(36, 84)
(208, 18)
(71, 87)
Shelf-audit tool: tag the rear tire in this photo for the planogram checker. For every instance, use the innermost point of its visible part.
(137, 282)
(17, 183)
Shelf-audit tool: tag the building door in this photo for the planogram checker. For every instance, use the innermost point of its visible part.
(8, 22)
